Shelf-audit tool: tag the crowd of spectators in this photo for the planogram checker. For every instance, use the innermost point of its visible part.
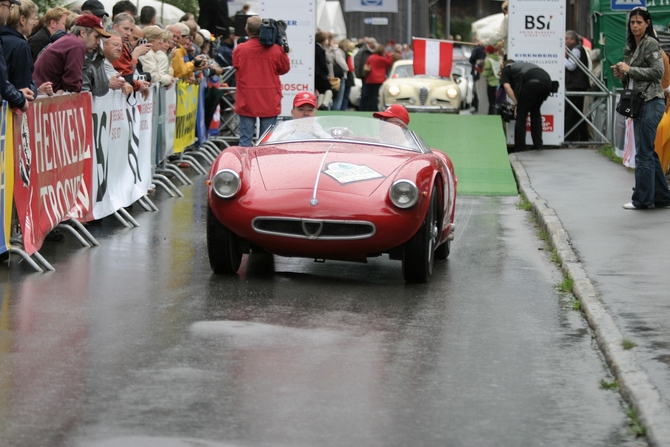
(87, 50)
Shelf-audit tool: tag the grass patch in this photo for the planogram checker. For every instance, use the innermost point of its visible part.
(612, 386)
(566, 286)
(542, 234)
(608, 151)
(524, 204)
(577, 305)
(628, 344)
(636, 427)
(555, 257)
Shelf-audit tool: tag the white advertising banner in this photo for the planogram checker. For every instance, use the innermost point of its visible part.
(371, 5)
(122, 135)
(300, 16)
(537, 35)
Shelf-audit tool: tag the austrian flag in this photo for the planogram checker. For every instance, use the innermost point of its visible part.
(432, 57)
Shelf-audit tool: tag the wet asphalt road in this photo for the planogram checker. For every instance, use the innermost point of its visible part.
(136, 343)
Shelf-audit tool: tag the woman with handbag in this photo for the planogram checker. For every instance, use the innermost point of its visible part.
(642, 71)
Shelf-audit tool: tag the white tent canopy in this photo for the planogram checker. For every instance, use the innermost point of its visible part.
(488, 26)
(329, 18)
(166, 14)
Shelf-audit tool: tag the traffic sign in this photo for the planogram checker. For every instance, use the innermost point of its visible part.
(627, 5)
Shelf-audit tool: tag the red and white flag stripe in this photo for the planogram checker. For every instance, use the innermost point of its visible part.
(432, 57)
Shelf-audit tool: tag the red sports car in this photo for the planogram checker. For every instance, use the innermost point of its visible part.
(333, 187)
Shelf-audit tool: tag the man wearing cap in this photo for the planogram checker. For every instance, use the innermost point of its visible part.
(54, 20)
(16, 98)
(258, 85)
(94, 7)
(62, 62)
(394, 114)
(304, 106)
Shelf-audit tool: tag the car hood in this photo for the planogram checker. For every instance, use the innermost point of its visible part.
(418, 82)
(349, 168)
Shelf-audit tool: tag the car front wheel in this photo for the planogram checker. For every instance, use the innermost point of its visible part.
(223, 247)
(419, 251)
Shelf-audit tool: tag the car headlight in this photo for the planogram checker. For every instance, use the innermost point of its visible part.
(394, 90)
(452, 93)
(226, 183)
(404, 193)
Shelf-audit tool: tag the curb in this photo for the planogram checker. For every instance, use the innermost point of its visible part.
(634, 384)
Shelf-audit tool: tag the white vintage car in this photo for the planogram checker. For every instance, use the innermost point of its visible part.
(420, 93)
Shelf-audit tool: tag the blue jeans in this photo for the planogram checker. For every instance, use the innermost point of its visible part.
(337, 100)
(651, 188)
(248, 128)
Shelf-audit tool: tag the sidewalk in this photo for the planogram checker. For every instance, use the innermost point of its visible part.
(619, 262)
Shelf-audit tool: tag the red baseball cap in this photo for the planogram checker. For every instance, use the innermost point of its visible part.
(91, 21)
(303, 98)
(394, 111)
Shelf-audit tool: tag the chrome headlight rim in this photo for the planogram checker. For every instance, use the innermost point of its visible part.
(394, 90)
(411, 194)
(452, 93)
(230, 192)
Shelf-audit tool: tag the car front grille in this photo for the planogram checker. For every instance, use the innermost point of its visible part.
(423, 95)
(314, 229)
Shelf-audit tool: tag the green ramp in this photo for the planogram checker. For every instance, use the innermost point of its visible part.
(476, 145)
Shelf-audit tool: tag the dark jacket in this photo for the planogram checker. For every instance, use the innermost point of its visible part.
(478, 54)
(18, 58)
(7, 90)
(224, 57)
(517, 74)
(576, 80)
(38, 41)
(62, 64)
(321, 82)
(360, 59)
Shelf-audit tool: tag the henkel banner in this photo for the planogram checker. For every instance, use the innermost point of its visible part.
(537, 35)
(300, 18)
(6, 175)
(187, 108)
(53, 165)
(123, 161)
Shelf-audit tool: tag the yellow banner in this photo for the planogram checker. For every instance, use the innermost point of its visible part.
(6, 175)
(187, 109)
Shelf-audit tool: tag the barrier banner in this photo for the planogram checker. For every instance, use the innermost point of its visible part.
(53, 165)
(123, 161)
(6, 176)
(155, 110)
(187, 107)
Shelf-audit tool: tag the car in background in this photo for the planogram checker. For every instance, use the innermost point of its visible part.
(336, 187)
(420, 93)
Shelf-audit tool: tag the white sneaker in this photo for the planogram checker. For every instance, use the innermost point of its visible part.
(629, 206)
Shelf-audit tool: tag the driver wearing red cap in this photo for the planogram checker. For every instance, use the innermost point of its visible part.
(304, 105)
(394, 114)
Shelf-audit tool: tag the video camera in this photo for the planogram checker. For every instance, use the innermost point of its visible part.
(273, 32)
(506, 111)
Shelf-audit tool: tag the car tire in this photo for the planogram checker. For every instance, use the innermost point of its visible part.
(442, 251)
(419, 252)
(223, 247)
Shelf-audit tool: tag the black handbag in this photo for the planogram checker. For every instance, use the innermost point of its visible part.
(630, 102)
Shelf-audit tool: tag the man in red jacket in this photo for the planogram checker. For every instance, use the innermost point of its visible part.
(258, 86)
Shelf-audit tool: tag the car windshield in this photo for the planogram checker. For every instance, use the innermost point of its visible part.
(407, 71)
(353, 129)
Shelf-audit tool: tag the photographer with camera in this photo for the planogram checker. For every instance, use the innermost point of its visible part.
(258, 86)
(124, 24)
(183, 70)
(528, 86)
